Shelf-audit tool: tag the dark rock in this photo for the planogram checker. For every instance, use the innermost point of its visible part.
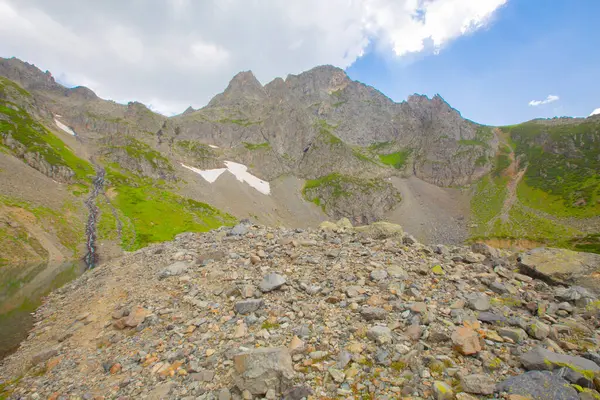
(298, 393)
(373, 313)
(539, 385)
(248, 306)
(577, 369)
(491, 318)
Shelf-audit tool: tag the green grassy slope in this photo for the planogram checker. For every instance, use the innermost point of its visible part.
(145, 210)
(559, 191)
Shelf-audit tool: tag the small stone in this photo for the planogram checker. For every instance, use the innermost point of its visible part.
(517, 335)
(442, 391)
(379, 275)
(271, 395)
(136, 317)
(538, 330)
(174, 269)
(414, 332)
(271, 282)
(419, 307)
(248, 306)
(247, 291)
(380, 334)
(479, 302)
(224, 394)
(478, 384)
(115, 369)
(466, 341)
(240, 331)
(373, 313)
(458, 304)
(337, 375)
(296, 345)
(239, 230)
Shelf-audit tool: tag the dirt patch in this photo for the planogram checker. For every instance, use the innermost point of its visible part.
(513, 244)
(111, 193)
(431, 213)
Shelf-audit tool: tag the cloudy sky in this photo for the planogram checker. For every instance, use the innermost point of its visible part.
(497, 61)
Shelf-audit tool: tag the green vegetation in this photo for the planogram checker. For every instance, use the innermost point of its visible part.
(325, 132)
(269, 325)
(152, 213)
(63, 223)
(502, 162)
(141, 151)
(33, 138)
(240, 122)
(259, 146)
(7, 86)
(396, 160)
(337, 185)
(560, 162)
(487, 212)
(562, 166)
(195, 149)
(482, 137)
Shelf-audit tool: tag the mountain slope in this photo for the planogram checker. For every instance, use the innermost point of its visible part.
(333, 147)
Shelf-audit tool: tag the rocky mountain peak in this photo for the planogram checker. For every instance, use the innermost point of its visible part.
(319, 81)
(244, 86)
(27, 75)
(82, 92)
(188, 110)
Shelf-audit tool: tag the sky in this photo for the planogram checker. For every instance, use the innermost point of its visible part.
(498, 62)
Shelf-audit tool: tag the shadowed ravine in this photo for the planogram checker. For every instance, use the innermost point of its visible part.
(91, 256)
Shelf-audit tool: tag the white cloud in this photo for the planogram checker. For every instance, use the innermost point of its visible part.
(550, 99)
(184, 52)
(595, 112)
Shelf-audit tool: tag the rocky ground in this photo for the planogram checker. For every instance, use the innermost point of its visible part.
(254, 312)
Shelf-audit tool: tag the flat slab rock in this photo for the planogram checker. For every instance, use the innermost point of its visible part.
(259, 370)
(562, 266)
(539, 385)
(542, 359)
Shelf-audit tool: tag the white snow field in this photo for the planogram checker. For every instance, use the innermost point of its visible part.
(64, 127)
(240, 171)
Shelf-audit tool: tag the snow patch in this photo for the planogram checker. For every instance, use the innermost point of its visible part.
(64, 127)
(209, 175)
(240, 171)
(595, 112)
(212, 146)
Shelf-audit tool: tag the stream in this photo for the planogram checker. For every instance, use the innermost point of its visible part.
(91, 257)
(22, 288)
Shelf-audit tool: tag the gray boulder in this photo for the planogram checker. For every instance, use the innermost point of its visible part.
(248, 306)
(271, 282)
(239, 230)
(478, 384)
(259, 370)
(174, 269)
(539, 385)
(575, 369)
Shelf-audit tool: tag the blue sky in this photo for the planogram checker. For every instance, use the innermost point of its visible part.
(531, 49)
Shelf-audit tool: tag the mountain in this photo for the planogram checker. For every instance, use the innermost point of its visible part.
(293, 152)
